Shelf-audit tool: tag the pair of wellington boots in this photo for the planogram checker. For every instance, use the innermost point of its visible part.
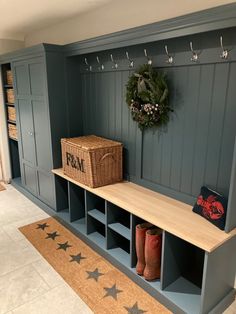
(148, 250)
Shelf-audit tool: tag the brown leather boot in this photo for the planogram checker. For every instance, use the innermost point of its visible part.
(141, 230)
(153, 243)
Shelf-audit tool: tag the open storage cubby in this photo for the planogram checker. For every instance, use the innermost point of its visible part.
(182, 272)
(118, 246)
(118, 220)
(96, 218)
(11, 123)
(77, 207)
(96, 231)
(76, 202)
(119, 233)
(95, 206)
(191, 251)
(63, 198)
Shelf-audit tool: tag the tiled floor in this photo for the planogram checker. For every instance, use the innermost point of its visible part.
(28, 284)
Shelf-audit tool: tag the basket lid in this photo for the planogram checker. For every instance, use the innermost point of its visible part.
(91, 142)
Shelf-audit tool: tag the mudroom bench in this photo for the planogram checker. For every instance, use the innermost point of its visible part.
(193, 251)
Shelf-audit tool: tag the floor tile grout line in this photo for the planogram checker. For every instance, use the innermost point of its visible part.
(32, 300)
(43, 278)
(18, 268)
(42, 294)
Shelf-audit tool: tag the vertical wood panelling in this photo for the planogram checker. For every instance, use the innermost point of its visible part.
(125, 123)
(177, 98)
(228, 134)
(202, 125)
(196, 145)
(118, 106)
(147, 154)
(216, 123)
(191, 106)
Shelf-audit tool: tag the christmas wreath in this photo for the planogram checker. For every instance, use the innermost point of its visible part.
(147, 97)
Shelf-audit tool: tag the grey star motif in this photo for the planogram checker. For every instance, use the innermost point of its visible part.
(134, 309)
(63, 246)
(112, 292)
(94, 274)
(77, 258)
(52, 235)
(42, 226)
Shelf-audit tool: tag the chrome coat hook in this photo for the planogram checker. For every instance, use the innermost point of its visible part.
(195, 55)
(170, 59)
(149, 61)
(115, 64)
(100, 65)
(225, 52)
(131, 62)
(89, 67)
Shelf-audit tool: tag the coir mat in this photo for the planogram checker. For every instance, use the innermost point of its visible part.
(102, 287)
(2, 188)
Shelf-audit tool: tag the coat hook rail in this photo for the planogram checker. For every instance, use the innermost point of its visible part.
(195, 55)
(89, 67)
(170, 59)
(225, 52)
(115, 64)
(131, 62)
(149, 60)
(100, 65)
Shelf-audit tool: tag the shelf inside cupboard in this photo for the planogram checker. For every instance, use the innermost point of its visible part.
(98, 215)
(98, 239)
(121, 229)
(79, 225)
(64, 214)
(121, 255)
(169, 214)
(185, 295)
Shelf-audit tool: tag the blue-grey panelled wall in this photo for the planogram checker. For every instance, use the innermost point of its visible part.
(196, 147)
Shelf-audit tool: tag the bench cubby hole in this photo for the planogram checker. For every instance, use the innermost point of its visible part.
(77, 207)
(96, 231)
(95, 206)
(118, 220)
(182, 272)
(134, 222)
(62, 207)
(118, 246)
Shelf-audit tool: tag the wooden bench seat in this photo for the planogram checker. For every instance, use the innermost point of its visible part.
(167, 213)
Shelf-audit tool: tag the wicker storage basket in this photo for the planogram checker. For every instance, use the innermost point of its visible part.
(91, 160)
(12, 131)
(11, 113)
(10, 96)
(9, 77)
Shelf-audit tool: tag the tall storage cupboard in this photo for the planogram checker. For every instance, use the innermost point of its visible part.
(40, 104)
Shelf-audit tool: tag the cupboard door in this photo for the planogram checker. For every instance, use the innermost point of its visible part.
(34, 126)
(27, 131)
(25, 124)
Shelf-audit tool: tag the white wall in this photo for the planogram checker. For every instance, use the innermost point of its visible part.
(7, 45)
(115, 16)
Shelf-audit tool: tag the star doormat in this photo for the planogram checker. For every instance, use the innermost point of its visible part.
(102, 287)
(2, 188)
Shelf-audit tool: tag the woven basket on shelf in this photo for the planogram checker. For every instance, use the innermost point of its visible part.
(12, 131)
(11, 113)
(10, 96)
(9, 77)
(91, 160)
